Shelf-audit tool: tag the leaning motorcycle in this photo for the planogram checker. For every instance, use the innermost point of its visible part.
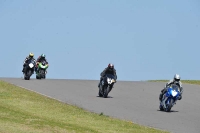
(169, 98)
(29, 69)
(41, 72)
(106, 85)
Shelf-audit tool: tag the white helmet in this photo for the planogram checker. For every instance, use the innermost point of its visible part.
(177, 77)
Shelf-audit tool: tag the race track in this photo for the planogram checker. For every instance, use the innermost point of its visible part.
(136, 101)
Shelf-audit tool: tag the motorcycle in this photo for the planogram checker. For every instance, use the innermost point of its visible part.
(170, 98)
(41, 72)
(29, 69)
(106, 85)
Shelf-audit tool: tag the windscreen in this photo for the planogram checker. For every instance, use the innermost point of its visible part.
(175, 87)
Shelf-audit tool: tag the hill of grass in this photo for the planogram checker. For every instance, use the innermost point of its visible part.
(23, 111)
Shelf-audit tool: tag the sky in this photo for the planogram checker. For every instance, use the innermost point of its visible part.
(144, 39)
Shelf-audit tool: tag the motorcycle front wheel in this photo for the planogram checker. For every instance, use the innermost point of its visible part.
(169, 106)
(106, 91)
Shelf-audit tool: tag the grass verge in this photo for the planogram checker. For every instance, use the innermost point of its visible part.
(197, 82)
(23, 111)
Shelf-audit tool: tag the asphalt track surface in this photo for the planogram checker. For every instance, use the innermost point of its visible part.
(136, 101)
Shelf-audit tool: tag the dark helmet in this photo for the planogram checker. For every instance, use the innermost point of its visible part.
(43, 56)
(110, 66)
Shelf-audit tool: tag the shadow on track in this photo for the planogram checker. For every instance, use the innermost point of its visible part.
(103, 97)
(172, 111)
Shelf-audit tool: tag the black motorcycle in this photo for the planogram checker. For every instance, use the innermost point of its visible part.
(29, 69)
(106, 85)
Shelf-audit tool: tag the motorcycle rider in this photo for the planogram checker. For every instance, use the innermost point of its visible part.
(108, 70)
(176, 80)
(41, 58)
(29, 57)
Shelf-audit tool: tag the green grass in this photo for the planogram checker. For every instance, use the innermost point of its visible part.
(23, 111)
(197, 82)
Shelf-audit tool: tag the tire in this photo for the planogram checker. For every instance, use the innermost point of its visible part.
(110, 88)
(39, 74)
(42, 75)
(168, 109)
(29, 75)
(106, 90)
(39, 77)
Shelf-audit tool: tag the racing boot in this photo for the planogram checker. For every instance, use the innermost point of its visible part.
(160, 97)
(99, 84)
(36, 70)
(23, 70)
(162, 93)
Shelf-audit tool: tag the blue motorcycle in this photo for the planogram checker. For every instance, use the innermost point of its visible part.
(170, 98)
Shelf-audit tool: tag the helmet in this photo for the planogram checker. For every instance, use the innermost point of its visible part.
(110, 66)
(43, 56)
(31, 55)
(177, 77)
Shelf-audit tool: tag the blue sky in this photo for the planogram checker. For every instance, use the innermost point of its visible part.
(143, 39)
